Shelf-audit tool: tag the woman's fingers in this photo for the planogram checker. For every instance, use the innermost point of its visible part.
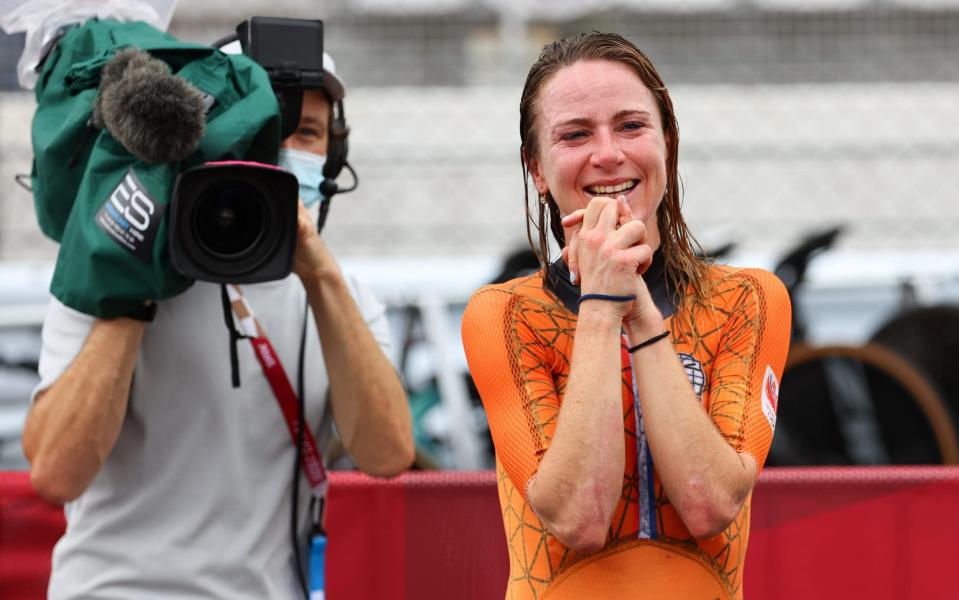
(629, 234)
(632, 236)
(625, 213)
(572, 223)
(609, 216)
(577, 216)
(597, 214)
(574, 218)
(642, 256)
(602, 211)
(632, 232)
(602, 219)
(572, 261)
(645, 264)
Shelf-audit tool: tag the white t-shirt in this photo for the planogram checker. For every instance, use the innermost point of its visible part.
(194, 499)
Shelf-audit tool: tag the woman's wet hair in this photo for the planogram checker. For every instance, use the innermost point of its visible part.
(677, 244)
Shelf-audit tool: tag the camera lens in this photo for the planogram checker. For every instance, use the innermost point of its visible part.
(230, 219)
(233, 222)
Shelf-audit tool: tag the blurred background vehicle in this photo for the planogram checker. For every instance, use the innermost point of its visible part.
(795, 116)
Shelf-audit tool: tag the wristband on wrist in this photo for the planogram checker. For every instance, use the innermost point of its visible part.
(607, 297)
(648, 342)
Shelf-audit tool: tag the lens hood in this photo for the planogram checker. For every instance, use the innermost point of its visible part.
(233, 222)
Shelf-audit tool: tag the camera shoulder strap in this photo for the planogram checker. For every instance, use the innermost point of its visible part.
(282, 389)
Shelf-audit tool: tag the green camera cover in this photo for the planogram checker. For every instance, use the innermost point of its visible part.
(107, 208)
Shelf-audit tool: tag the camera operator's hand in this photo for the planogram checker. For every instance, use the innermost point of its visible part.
(311, 259)
(369, 404)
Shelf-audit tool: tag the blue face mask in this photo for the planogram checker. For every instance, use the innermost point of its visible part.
(308, 168)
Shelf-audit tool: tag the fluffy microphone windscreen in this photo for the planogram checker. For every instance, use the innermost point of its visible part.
(157, 116)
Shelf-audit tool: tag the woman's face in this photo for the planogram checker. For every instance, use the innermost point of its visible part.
(599, 133)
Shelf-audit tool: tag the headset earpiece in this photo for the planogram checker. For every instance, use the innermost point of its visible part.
(336, 151)
(338, 144)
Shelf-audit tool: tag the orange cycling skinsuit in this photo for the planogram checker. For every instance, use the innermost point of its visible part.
(518, 338)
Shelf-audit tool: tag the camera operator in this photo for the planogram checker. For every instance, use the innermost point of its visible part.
(177, 485)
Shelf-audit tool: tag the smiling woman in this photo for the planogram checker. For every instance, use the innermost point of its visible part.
(630, 387)
(600, 133)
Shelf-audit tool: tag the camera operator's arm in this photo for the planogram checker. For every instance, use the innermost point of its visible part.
(73, 425)
(369, 404)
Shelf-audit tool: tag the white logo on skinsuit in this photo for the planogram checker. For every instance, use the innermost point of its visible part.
(770, 396)
(694, 370)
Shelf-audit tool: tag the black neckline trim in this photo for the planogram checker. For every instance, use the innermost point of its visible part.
(660, 288)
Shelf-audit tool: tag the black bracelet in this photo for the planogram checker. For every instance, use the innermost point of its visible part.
(628, 298)
(648, 342)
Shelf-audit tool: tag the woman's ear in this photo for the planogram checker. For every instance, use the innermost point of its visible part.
(532, 166)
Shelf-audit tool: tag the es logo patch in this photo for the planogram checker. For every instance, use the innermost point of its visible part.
(770, 396)
(131, 217)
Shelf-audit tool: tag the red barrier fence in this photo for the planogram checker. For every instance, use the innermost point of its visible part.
(845, 533)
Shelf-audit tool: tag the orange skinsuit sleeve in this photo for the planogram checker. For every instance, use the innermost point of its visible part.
(749, 362)
(510, 364)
